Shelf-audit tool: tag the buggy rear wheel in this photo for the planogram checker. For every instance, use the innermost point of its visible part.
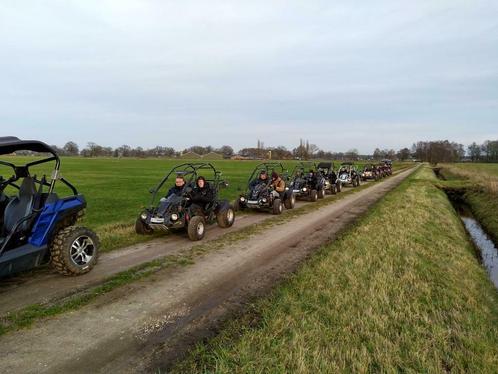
(277, 207)
(321, 193)
(226, 217)
(290, 202)
(142, 228)
(74, 250)
(338, 187)
(196, 228)
(333, 189)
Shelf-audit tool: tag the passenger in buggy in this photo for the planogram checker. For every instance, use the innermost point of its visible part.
(201, 196)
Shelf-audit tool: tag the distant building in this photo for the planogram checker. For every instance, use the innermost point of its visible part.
(212, 156)
(190, 156)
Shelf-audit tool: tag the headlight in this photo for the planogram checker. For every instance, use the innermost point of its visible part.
(242, 198)
(174, 217)
(304, 189)
(143, 216)
(263, 199)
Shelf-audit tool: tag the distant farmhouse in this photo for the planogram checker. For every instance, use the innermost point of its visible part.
(196, 156)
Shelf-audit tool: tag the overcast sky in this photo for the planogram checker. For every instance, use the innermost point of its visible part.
(343, 74)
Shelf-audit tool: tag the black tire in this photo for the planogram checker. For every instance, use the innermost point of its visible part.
(74, 250)
(290, 202)
(321, 193)
(196, 228)
(313, 195)
(226, 217)
(358, 182)
(333, 189)
(277, 207)
(338, 187)
(141, 228)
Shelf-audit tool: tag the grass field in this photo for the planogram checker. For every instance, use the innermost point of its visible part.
(117, 189)
(401, 291)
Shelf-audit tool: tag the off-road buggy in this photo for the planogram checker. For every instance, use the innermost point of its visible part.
(348, 174)
(332, 184)
(370, 172)
(307, 186)
(260, 195)
(388, 166)
(37, 226)
(177, 213)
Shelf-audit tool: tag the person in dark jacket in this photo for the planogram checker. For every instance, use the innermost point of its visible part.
(312, 178)
(177, 189)
(201, 195)
(263, 178)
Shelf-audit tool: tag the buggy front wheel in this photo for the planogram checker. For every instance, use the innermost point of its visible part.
(226, 217)
(290, 202)
(277, 207)
(142, 228)
(74, 250)
(196, 228)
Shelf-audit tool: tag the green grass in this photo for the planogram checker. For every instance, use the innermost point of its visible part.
(401, 291)
(117, 189)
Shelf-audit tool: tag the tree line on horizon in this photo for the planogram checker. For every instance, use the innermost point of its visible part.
(427, 151)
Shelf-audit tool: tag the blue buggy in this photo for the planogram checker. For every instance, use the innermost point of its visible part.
(36, 225)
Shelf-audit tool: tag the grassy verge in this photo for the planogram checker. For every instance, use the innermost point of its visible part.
(400, 291)
(478, 189)
(25, 317)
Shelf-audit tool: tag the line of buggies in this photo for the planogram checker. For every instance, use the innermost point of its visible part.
(378, 171)
(38, 226)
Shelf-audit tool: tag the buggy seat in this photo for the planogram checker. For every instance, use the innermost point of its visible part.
(20, 206)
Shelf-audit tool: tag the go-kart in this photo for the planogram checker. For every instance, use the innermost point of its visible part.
(177, 212)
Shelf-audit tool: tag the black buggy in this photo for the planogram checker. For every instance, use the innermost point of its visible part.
(370, 172)
(349, 174)
(176, 212)
(306, 186)
(332, 184)
(261, 195)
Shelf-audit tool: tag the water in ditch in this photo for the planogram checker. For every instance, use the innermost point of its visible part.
(488, 250)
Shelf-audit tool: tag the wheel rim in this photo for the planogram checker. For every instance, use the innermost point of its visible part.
(200, 228)
(82, 250)
(230, 215)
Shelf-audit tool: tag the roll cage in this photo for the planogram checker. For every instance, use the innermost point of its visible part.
(11, 144)
(303, 167)
(268, 167)
(190, 172)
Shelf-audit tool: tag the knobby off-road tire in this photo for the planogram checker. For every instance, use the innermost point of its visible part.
(333, 189)
(313, 195)
(74, 250)
(226, 217)
(196, 228)
(277, 207)
(142, 228)
(290, 202)
(338, 187)
(321, 193)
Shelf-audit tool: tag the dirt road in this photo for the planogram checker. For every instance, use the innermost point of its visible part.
(152, 322)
